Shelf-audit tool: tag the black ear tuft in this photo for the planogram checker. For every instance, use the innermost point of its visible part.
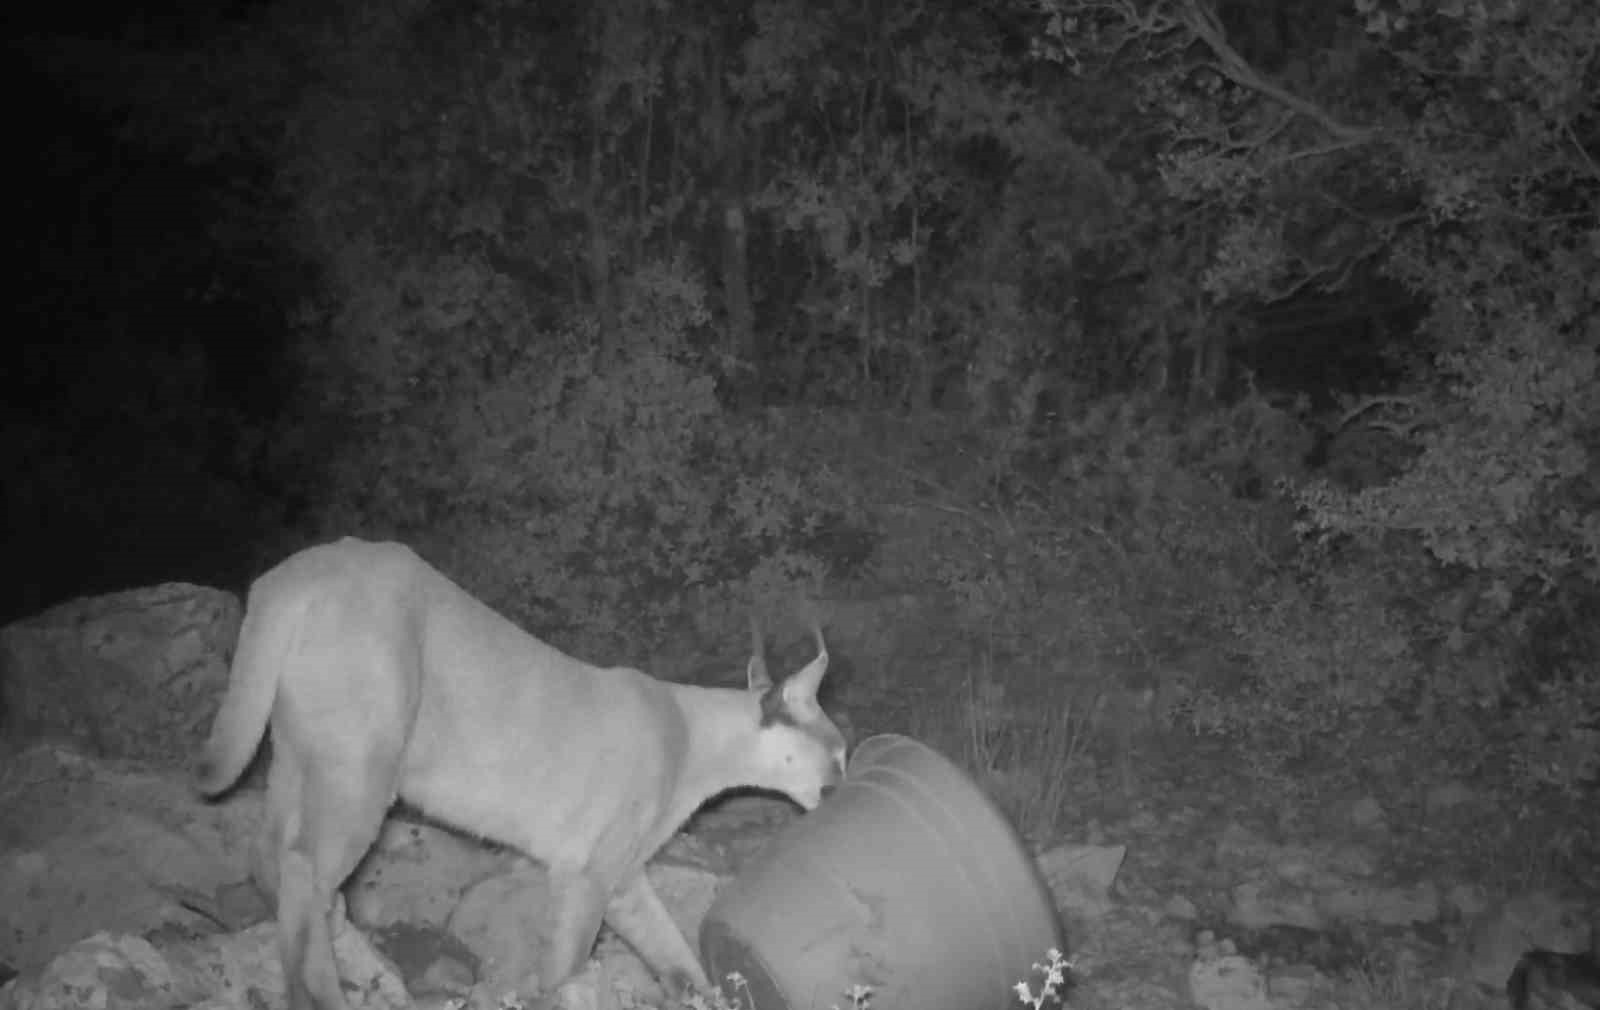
(756, 676)
(774, 710)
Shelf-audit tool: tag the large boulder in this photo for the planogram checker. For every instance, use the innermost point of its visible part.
(133, 675)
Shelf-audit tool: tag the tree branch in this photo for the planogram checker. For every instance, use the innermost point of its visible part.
(1203, 21)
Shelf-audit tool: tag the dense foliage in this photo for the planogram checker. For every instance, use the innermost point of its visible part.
(1262, 332)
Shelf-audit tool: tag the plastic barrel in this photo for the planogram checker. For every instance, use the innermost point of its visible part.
(907, 879)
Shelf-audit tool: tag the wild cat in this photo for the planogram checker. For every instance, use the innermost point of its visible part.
(382, 680)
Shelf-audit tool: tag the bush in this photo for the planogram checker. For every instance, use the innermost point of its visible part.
(603, 493)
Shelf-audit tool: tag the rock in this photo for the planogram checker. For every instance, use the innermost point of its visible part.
(502, 920)
(236, 971)
(115, 971)
(416, 874)
(241, 968)
(1227, 982)
(1080, 876)
(1297, 986)
(93, 846)
(130, 675)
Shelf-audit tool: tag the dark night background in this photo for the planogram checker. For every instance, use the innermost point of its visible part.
(146, 330)
(1250, 352)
